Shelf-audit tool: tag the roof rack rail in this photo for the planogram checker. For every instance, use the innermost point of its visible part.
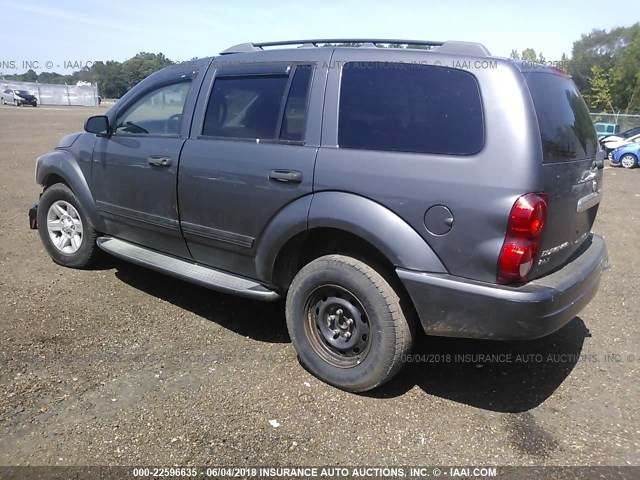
(256, 47)
(463, 48)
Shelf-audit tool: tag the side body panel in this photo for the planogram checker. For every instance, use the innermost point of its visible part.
(479, 189)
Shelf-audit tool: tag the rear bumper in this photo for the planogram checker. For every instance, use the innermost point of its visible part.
(456, 307)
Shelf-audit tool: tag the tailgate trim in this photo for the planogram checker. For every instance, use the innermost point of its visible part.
(588, 201)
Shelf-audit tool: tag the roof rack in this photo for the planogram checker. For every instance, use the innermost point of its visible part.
(467, 48)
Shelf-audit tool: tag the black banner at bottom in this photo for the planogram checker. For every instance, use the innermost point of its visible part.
(319, 472)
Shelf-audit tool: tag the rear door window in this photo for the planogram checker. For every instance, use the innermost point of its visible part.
(254, 106)
(410, 108)
(566, 129)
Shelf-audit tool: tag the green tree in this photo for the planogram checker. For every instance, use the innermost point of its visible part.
(141, 66)
(600, 47)
(529, 54)
(626, 76)
(600, 97)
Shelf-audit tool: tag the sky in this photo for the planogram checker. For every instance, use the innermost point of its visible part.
(65, 35)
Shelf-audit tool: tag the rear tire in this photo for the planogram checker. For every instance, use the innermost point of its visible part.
(347, 324)
(65, 229)
(628, 160)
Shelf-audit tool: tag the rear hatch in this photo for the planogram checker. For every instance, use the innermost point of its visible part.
(572, 166)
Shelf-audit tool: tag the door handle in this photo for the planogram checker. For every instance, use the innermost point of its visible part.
(159, 160)
(286, 176)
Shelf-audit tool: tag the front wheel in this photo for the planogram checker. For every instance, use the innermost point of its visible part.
(628, 160)
(347, 323)
(65, 229)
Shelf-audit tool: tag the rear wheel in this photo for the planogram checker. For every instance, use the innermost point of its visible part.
(347, 324)
(628, 160)
(65, 229)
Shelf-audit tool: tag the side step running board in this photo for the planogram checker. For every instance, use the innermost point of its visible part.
(191, 272)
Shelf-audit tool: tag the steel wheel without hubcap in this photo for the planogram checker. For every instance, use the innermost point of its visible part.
(628, 161)
(65, 227)
(338, 326)
(347, 323)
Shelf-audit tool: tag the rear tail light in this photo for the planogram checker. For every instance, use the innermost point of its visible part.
(524, 236)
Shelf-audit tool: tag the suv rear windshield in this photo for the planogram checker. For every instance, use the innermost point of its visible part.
(566, 127)
(410, 108)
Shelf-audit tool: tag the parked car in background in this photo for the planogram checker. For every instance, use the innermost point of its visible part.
(610, 145)
(626, 155)
(621, 136)
(18, 98)
(605, 129)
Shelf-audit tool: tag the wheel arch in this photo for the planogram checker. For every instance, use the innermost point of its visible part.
(61, 167)
(337, 222)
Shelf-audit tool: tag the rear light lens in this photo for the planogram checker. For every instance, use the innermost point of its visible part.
(524, 236)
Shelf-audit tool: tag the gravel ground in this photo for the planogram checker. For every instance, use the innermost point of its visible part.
(122, 366)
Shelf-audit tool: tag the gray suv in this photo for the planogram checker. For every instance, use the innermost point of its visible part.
(377, 189)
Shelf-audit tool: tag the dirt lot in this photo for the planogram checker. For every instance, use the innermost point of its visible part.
(119, 365)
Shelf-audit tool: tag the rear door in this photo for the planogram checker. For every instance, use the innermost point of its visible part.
(572, 166)
(251, 153)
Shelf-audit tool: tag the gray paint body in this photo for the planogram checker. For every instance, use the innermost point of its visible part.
(216, 206)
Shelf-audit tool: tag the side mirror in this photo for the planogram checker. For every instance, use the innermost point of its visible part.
(98, 124)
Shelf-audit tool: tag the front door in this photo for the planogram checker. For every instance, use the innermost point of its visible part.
(134, 170)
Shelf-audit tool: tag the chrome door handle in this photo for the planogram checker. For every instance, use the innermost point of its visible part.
(159, 160)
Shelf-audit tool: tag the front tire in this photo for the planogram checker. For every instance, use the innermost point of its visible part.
(347, 323)
(628, 160)
(65, 229)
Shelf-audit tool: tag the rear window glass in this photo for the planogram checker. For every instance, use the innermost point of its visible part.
(410, 108)
(566, 127)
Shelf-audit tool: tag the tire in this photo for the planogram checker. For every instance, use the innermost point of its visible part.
(628, 160)
(16, 103)
(347, 324)
(72, 240)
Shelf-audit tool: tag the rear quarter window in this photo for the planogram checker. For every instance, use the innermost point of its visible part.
(566, 129)
(410, 108)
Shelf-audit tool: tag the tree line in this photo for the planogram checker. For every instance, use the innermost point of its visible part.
(605, 66)
(113, 78)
